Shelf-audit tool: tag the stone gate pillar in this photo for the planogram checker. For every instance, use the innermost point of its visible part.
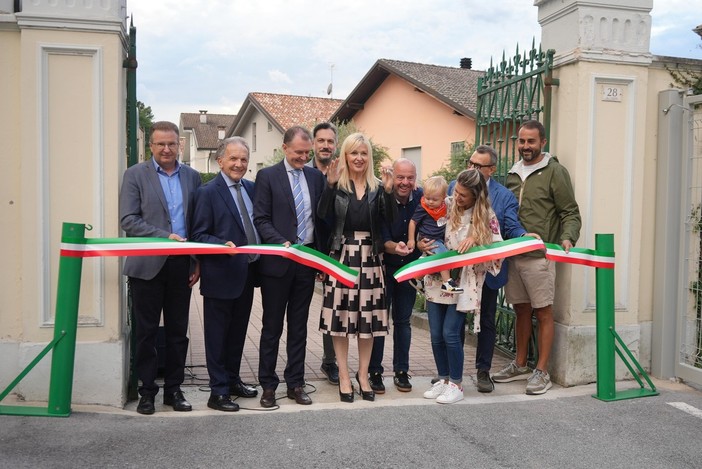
(601, 119)
(62, 141)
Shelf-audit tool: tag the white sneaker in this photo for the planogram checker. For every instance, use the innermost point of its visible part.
(436, 390)
(538, 383)
(452, 393)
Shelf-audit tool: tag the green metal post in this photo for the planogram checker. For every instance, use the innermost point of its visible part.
(604, 282)
(130, 63)
(66, 324)
(606, 336)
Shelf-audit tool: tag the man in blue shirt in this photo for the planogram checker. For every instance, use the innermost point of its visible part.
(156, 201)
(400, 295)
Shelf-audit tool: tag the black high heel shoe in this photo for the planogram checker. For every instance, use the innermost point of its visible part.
(366, 395)
(346, 396)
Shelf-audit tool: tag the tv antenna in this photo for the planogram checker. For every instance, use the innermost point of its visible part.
(331, 81)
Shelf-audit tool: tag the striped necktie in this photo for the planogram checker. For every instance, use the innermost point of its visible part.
(299, 206)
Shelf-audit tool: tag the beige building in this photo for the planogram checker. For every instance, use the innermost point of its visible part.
(200, 134)
(62, 141)
(417, 111)
(264, 117)
(610, 130)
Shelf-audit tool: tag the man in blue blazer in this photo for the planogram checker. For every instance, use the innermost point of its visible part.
(286, 286)
(156, 201)
(506, 207)
(223, 215)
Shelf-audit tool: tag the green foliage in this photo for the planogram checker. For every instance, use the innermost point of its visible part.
(207, 177)
(456, 164)
(686, 79)
(696, 285)
(146, 119)
(277, 157)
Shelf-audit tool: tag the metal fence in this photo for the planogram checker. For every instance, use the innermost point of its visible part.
(515, 89)
(689, 363)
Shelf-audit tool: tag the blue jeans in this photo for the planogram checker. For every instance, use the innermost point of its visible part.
(445, 324)
(400, 297)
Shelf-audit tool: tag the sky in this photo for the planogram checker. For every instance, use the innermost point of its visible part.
(196, 54)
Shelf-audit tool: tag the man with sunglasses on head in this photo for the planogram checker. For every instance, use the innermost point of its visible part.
(506, 207)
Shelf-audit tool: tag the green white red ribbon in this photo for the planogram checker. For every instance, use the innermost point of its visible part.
(500, 250)
(110, 247)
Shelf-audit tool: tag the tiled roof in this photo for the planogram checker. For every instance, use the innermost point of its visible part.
(206, 134)
(287, 110)
(457, 87)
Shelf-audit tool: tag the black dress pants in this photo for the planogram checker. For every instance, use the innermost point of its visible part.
(168, 291)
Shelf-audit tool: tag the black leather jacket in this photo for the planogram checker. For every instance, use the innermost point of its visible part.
(335, 202)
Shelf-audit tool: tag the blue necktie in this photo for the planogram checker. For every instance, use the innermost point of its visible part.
(299, 206)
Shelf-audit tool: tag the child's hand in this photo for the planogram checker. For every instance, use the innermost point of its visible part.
(410, 245)
(466, 244)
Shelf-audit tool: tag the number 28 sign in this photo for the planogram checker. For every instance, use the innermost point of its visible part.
(612, 93)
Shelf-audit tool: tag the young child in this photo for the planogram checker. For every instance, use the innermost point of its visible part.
(429, 221)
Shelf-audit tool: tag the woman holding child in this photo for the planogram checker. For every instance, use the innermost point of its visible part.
(470, 222)
(358, 202)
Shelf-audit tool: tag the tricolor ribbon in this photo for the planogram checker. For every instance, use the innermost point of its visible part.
(500, 250)
(107, 247)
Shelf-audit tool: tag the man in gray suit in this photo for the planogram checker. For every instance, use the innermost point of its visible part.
(155, 201)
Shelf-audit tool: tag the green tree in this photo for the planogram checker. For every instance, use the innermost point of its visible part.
(456, 164)
(146, 119)
(686, 78)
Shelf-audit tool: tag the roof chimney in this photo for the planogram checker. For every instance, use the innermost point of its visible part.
(466, 63)
(203, 117)
(220, 132)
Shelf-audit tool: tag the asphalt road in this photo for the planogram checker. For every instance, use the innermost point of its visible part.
(564, 428)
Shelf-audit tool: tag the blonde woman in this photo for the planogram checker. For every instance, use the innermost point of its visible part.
(357, 202)
(471, 222)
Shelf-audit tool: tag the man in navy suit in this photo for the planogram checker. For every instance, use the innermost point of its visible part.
(506, 207)
(156, 201)
(223, 215)
(286, 286)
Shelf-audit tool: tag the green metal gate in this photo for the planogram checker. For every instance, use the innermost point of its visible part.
(132, 112)
(516, 89)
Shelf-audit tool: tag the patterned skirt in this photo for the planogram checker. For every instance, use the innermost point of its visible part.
(359, 311)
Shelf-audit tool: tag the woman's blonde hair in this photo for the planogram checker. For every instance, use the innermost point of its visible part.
(473, 180)
(351, 143)
(435, 184)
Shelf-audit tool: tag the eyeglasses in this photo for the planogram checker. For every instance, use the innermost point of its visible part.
(475, 165)
(161, 145)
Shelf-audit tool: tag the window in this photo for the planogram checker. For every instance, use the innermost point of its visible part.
(253, 137)
(270, 127)
(457, 147)
(414, 154)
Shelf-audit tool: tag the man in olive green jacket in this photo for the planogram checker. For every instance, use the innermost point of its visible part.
(547, 207)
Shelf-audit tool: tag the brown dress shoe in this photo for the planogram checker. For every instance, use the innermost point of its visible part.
(299, 395)
(268, 398)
